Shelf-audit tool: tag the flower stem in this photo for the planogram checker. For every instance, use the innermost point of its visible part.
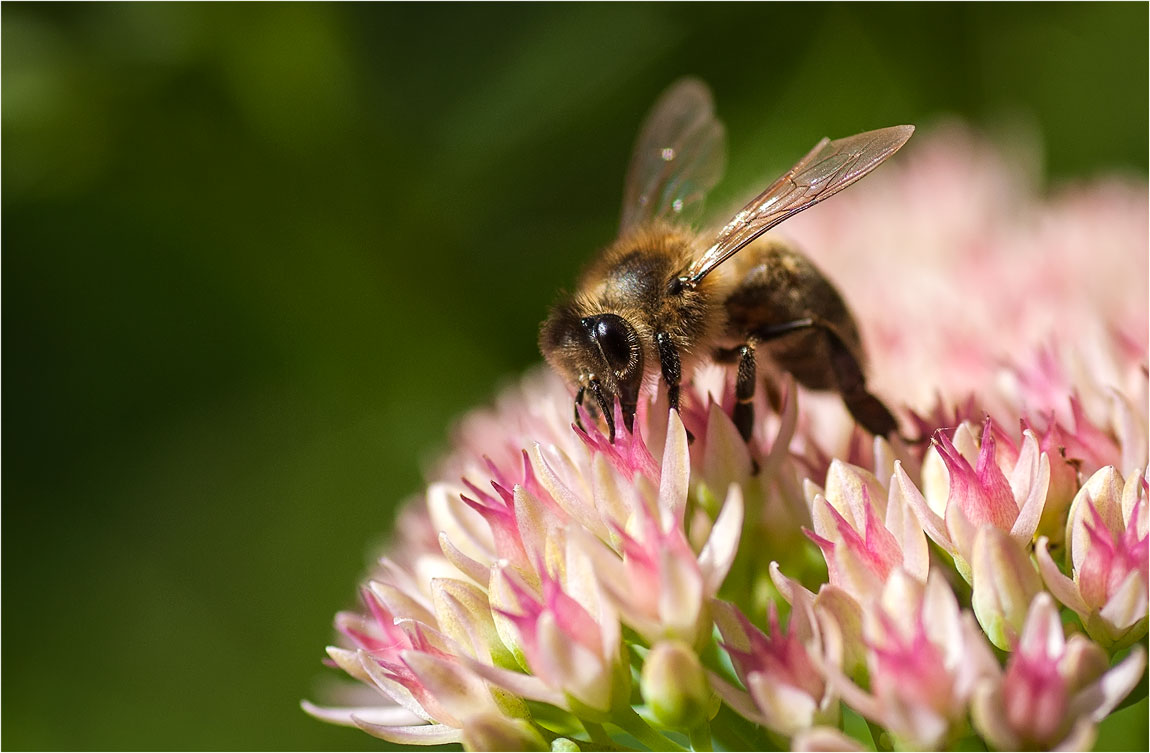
(701, 737)
(599, 736)
(876, 733)
(633, 724)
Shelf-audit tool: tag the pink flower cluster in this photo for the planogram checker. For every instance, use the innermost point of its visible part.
(556, 591)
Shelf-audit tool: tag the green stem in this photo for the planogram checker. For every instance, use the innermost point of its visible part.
(733, 732)
(599, 737)
(701, 737)
(633, 724)
(876, 733)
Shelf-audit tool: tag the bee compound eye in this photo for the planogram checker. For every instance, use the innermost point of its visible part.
(615, 339)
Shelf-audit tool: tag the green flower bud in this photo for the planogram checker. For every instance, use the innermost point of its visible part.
(675, 686)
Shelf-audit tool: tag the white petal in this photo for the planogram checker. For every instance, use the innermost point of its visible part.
(723, 544)
(392, 716)
(428, 734)
(676, 473)
(785, 708)
(1127, 605)
(903, 522)
(473, 569)
(401, 604)
(739, 700)
(726, 459)
(680, 594)
(1043, 627)
(456, 689)
(1033, 503)
(580, 672)
(580, 508)
(932, 523)
(825, 739)
(525, 686)
(845, 491)
(986, 711)
(1104, 489)
(1064, 589)
(378, 678)
(467, 528)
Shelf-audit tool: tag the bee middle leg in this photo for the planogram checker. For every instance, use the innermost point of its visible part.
(743, 415)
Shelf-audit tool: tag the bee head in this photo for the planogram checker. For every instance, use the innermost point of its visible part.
(601, 353)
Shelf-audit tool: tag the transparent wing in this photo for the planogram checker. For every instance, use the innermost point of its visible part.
(678, 157)
(827, 169)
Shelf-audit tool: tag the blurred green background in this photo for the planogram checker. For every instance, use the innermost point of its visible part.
(257, 257)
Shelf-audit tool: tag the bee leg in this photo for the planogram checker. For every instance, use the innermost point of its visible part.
(578, 402)
(671, 367)
(744, 413)
(608, 414)
(867, 409)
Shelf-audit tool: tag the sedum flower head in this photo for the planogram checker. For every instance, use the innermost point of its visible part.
(680, 587)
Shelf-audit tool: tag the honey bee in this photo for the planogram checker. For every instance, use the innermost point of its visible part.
(659, 300)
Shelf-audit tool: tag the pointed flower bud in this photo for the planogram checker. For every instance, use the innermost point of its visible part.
(1054, 691)
(925, 658)
(979, 493)
(1108, 545)
(781, 669)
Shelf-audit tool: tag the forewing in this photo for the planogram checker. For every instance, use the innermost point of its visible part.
(827, 169)
(678, 157)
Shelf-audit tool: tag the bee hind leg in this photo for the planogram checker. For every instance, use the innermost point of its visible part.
(867, 409)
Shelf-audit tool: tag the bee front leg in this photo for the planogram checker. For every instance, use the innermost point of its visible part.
(671, 367)
(604, 408)
(579, 402)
